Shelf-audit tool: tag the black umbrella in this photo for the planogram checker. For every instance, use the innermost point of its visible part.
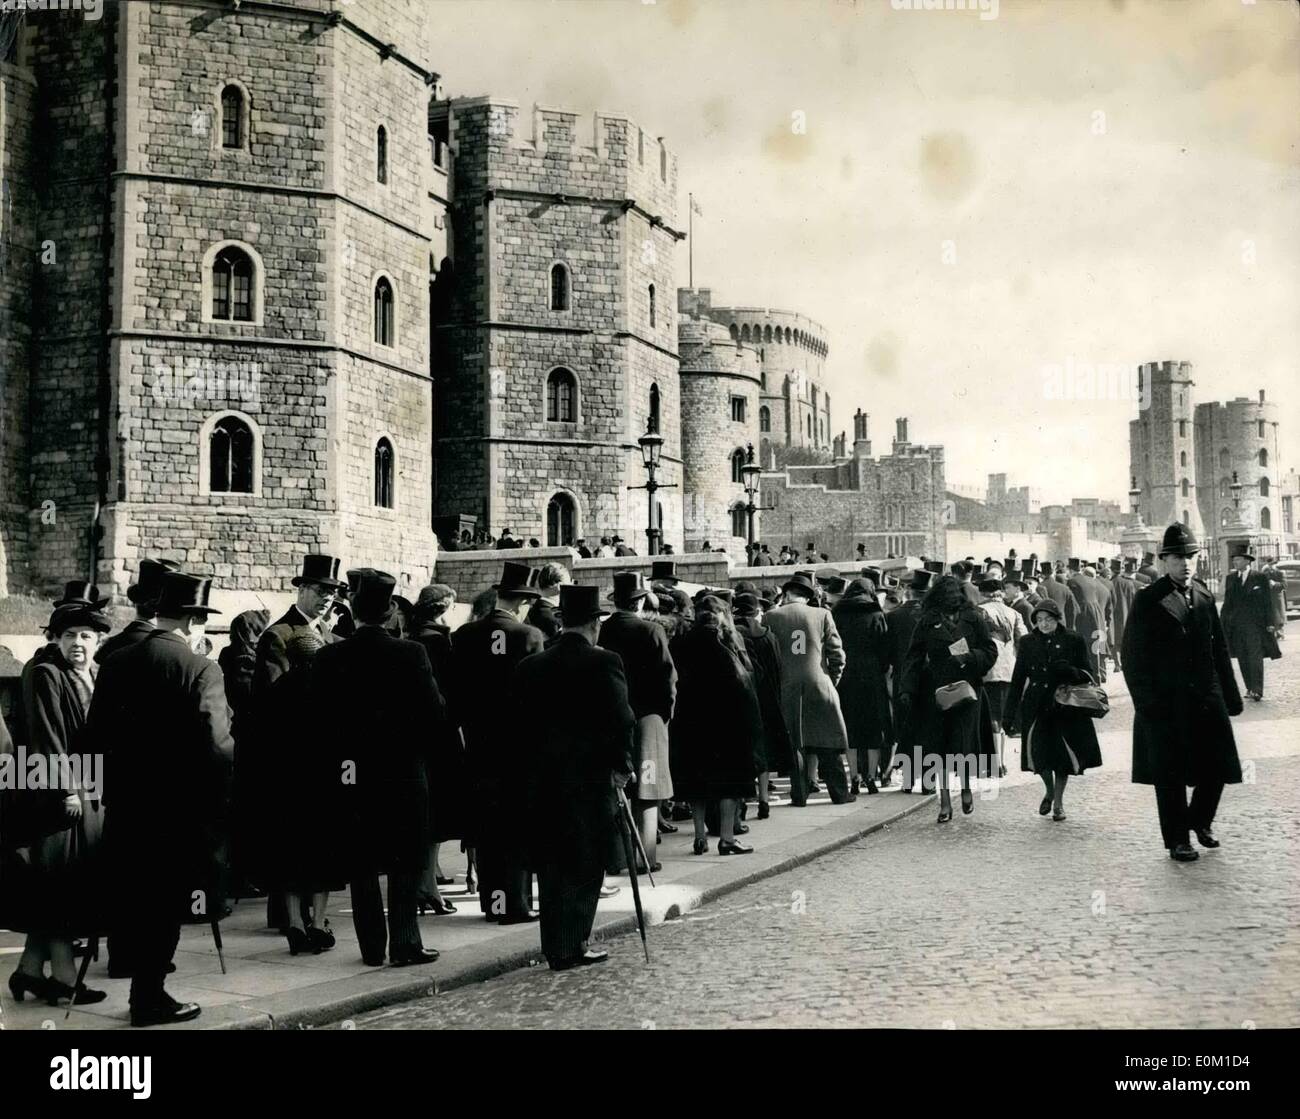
(92, 950)
(216, 939)
(628, 831)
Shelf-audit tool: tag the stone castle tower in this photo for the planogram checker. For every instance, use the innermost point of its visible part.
(1162, 446)
(560, 338)
(228, 357)
(1241, 437)
(795, 409)
(720, 381)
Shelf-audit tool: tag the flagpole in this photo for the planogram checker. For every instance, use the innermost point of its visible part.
(690, 240)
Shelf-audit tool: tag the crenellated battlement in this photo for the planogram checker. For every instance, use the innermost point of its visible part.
(498, 145)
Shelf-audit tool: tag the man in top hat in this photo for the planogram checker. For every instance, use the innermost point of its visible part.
(1123, 588)
(1013, 595)
(1179, 673)
(812, 662)
(1058, 592)
(486, 652)
(1029, 581)
(664, 571)
(621, 549)
(1248, 619)
(159, 714)
(578, 755)
(142, 595)
(318, 586)
(1092, 616)
(964, 571)
(1147, 569)
(377, 705)
(764, 557)
(543, 614)
(583, 551)
(642, 645)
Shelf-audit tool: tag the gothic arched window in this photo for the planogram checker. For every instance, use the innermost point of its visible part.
(230, 456)
(561, 397)
(384, 322)
(384, 474)
(1263, 487)
(764, 419)
(739, 525)
(651, 294)
(1265, 518)
(381, 155)
(1263, 456)
(232, 117)
(654, 407)
(737, 465)
(232, 286)
(559, 287)
(561, 521)
(1186, 487)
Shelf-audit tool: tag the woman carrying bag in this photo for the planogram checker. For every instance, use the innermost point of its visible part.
(942, 690)
(61, 846)
(1058, 739)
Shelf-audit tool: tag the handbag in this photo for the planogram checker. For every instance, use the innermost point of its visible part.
(1089, 698)
(954, 695)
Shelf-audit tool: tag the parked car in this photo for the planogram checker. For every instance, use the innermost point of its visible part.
(1291, 572)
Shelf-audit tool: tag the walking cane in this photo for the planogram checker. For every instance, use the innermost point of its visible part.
(92, 949)
(625, 819)
(630, 820)
(216, 939)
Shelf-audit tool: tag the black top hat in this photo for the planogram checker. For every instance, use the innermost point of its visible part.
(579, 604)
(801, 581)
(180, 593)
(77, 592)
(663, 571)
(372, 600)
(990, 584)
(149, 580)
(75, 615)
(1010, 563)
(746, 605)
(1130, 563)
(836, 584)
(629, 586)
(1240, 548)
(1045, 568)
(921, 579)
(1075, 563)
(1148, 559)
(1179, 540)
(934, 567)
(518, 579)
(874, 574)
(319, 569)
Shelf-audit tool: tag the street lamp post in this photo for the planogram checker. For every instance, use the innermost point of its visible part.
(750, 471)
(652, 445)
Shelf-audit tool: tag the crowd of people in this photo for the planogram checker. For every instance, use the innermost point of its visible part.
(355, 735)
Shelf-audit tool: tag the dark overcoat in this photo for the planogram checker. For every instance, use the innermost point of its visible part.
(273, 648)
(716, 734)
(812, 661)
(1248, 613)
(901, 624)
(378, 705)
(580, 735)
(765, 658)
(1122, 590)
(1060, 594)
(1179, 674)
(864, 695)
(965, 731)
(647, 663)
(449, 785)
(1092, 610)
(1056, 739)
(543, 615)
(485, 653)
(159, 715)
(132, 633)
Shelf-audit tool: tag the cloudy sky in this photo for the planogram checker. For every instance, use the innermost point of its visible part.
(973, 202)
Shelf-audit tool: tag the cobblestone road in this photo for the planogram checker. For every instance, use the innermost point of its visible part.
(999, 919)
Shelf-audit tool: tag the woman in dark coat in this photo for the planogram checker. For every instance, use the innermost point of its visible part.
(864, 695)
(61, 901)
(301, 856)
(1056, 741)
(716, 724)
(760, 644)
(448, 780)
(962, 735)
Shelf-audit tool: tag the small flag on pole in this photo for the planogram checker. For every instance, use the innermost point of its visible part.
(696, 206)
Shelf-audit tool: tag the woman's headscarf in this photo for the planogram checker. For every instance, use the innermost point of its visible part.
(944, 597)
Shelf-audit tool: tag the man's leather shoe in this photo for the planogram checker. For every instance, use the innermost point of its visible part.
(419, 956)
(591, 956)
(373, 961)
(1205, 838)
(164, 1013)
(520, 919)
(1183, 853)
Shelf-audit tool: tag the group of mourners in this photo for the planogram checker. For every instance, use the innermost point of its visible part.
(353, 736)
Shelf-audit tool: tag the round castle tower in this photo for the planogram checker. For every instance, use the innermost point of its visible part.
(1241, 437)
(721, 383)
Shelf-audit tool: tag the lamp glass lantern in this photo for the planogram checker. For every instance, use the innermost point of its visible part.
(652, 445)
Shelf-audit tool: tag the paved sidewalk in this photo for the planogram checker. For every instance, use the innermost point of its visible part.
(266, 988)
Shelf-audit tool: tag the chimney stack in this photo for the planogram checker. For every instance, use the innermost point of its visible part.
(861, 438)
(902, 430)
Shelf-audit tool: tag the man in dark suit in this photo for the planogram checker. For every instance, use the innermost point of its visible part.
(1248, 619)
(542, 614)
(1177, 668)
(377, 706)
(1055, 589)
(581, 737)
(486, 652)
(642, 645)
(621, 549)
(318, 586)
(159, 714)
(1092, 617)
(1123, 588)
(1014, 596)
(142, 596)
(900, 624)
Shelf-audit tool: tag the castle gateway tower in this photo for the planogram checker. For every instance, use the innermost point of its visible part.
(229, 354)
(560, 335)
(1162, 446)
